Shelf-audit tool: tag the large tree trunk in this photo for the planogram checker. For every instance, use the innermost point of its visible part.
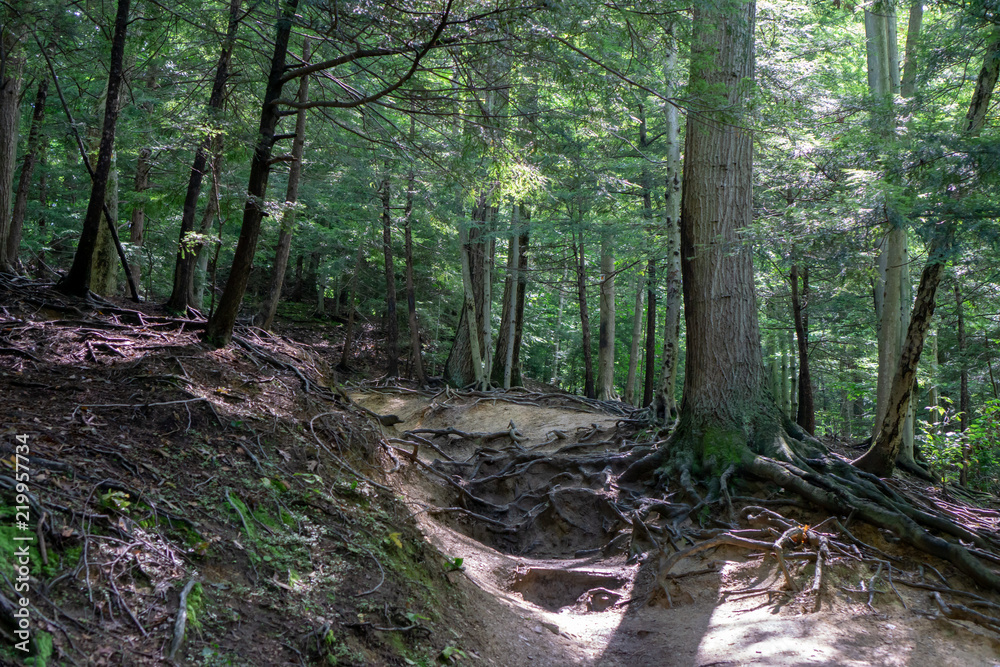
(184, 267)
(581, 291)
(724, 386)
(27, 170)
(806, 415)
(606, 333)
(269, 306)
(77, 281)
(10, 115)
(219, 330)
(391, 323)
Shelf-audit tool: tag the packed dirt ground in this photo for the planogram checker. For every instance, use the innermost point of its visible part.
(480, 528)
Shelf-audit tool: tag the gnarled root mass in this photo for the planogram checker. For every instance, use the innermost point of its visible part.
(593, 493)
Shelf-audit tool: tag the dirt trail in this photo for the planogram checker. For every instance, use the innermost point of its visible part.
(553, 582)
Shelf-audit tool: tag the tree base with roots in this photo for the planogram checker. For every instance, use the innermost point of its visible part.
(781, 453)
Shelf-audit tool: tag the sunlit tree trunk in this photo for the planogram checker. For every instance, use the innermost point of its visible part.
(666, 403)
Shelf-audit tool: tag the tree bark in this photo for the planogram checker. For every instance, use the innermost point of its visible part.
(724, 384)
(514, 263)
(219, 330)
(806, 414)
(27, 170)
(77, 281)
(184, 267)
(606, 333)
(269, 306)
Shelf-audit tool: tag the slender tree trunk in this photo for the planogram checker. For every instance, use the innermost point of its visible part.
(581, 289)
(514, 262)
(793, 374)
(219, 330)
(889, 330)
(964, 406)
(77, 281)
(184, 266)
(411, 294)
(985, 83)
(505, 340)
(13, 62)
(269, 306)
(522, 288)
(933, 400)
(104, 267)
(908, 86)
(391, 323)
(352, 306)
(27, 170)
(880, 459)
(806, 414)
(557, 334)
(606, 334)
(469, 314)
(666, 403)
(137, 222)
(633, 353)
(786, 392)
(211, 211)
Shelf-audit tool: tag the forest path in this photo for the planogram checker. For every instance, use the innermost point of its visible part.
(548, 558)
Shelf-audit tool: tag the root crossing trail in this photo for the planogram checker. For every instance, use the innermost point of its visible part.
(573, 569)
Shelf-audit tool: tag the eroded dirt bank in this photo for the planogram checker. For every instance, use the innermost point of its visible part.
(544, 531)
